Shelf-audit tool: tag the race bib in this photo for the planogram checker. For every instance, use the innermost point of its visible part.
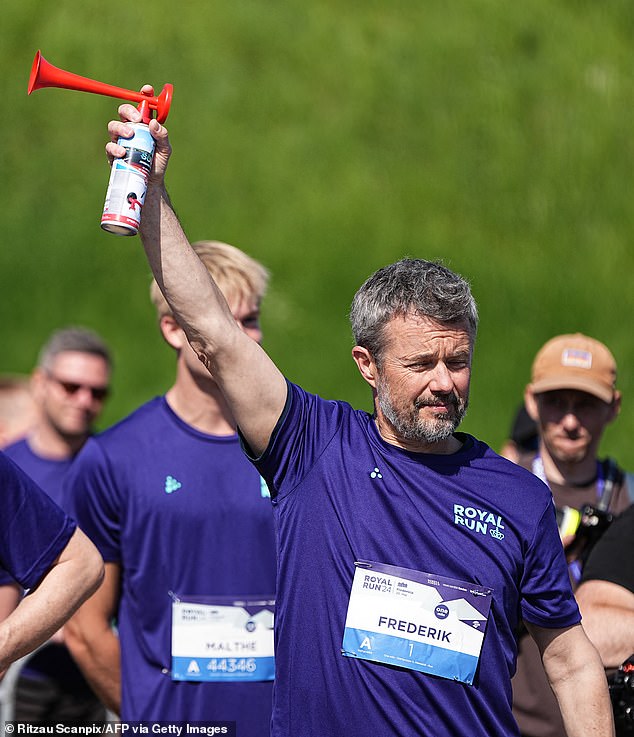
(416, 620)
(223, 639)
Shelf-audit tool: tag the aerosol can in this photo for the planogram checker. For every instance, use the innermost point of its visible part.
(128, 183)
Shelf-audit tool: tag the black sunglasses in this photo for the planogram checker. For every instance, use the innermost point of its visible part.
(98, 393)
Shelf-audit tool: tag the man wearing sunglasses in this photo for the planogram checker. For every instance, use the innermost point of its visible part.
(69, 386)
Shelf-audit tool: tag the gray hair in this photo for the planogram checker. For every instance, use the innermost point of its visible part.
(410, 287)
(77, 339)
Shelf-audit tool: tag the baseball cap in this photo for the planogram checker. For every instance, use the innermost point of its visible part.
(575, 362)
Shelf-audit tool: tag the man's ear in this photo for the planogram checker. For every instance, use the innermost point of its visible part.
(615, 406)
(530, 402)
(37, 384)
(366, 364)
(172, 332)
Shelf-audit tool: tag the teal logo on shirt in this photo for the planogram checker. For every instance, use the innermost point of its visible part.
(171, 485)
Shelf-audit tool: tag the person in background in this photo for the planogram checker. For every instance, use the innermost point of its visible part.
(606, 600)
(523, 438)
(606, 593)
(173, 471)
(69, 386)
(573, 398)
(17, 414)
(17, 408)
(42, 548)
(387, 521)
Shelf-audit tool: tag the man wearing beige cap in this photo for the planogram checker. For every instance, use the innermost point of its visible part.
(572, 397)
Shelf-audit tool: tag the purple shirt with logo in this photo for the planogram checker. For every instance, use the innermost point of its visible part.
(342, 494)
(186, 516)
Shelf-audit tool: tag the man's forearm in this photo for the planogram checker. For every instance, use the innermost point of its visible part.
(585, 703)
(578, 680)
(10, 595)
(611, 631)
(101, 667)
(607, 611)
(576, 675)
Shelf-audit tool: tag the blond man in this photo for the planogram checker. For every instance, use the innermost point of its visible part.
(184, 524)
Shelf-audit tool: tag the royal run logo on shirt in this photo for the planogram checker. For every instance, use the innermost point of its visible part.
(480, 521)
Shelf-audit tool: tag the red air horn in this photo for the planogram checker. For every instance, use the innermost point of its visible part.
(128, 175)
(44, 74)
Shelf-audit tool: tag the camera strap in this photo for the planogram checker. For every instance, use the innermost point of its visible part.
(611, 473)
(608, 476)
(604, 482)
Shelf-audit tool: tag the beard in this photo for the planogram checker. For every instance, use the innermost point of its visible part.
(411, 426)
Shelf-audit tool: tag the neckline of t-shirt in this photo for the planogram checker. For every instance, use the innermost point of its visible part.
(186, 427)
(42, 460)
(467, 452)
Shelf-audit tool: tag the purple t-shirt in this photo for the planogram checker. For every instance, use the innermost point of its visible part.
(34, 530)
(55, 661)
(47, 473)
(186, 516)
(342, 494)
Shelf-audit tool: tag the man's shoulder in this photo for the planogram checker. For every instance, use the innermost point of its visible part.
(521, 467)
(144, 417)
(18, 450)
(300, 403)
(123, 440)
(518, 473)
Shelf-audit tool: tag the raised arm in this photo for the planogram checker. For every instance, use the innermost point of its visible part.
(253, 386)
(71, 579)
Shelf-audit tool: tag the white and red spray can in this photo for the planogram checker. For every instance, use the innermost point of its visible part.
(128, 183)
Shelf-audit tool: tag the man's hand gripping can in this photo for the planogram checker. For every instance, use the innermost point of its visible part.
(128, 183)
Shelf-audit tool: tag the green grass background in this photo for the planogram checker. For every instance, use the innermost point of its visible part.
(328, 139)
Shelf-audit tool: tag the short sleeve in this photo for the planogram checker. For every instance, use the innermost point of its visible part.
(34, 531)
(91, 495)
(547, 597)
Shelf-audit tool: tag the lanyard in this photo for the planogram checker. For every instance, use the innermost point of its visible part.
(537, 467)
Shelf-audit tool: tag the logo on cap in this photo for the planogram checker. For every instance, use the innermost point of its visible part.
(577, 358)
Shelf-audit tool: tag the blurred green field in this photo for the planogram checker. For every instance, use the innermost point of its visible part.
(328, 139)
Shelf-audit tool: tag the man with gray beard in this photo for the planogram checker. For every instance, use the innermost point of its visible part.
(406, 550)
